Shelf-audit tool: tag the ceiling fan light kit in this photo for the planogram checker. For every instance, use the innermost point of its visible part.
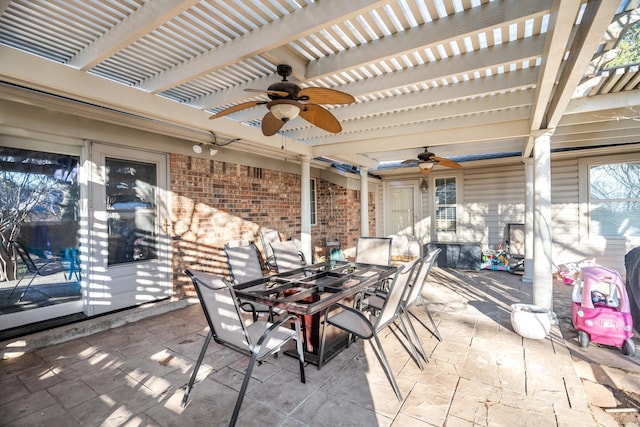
(427, 160)
(288, 101)
(284, 111)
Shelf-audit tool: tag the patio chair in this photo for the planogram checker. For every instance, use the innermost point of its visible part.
(374, 301)
(257, 340)
(287, 256)
(373, 250)
(269, 236)
(244, 264)
(415, 294)
(42, 267)
(368, 326)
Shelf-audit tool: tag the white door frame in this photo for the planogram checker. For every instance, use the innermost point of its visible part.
(109, 288)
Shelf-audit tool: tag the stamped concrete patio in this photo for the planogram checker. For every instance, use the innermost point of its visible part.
(481, 374)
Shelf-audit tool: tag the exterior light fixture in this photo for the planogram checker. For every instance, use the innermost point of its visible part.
(197, 148)
(424, 187)
(213, 151)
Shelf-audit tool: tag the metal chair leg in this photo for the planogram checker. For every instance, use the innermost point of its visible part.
(426, 310)
(300, 350)
(17, 284)
(25, 289)
(322, 341)
(195, 370)
(387, 368)
(243, 389)
(418, 346)
(412, 346)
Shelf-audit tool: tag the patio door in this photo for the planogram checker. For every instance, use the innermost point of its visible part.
(129, 262)
(402, 208)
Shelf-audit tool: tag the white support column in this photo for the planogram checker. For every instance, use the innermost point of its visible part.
(364, 202)
(542, 247)
(528, 221)
(305, 208)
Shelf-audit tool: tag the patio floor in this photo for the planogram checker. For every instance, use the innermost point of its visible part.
(481, 374)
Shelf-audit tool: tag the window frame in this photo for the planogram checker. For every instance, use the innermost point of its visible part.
(444, 236)
(584, 196)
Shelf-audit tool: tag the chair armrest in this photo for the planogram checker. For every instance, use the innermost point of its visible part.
(355, 311)
(303, 260)
(247, 306)
(277, 325)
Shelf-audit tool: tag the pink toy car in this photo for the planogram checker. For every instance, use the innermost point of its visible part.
(600, 309)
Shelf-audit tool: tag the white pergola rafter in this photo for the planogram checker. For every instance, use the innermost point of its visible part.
(280, 32)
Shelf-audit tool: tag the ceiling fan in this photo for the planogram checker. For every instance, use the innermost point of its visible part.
(427, 160)
(288, 100)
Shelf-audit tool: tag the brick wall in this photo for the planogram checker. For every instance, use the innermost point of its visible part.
(215, 202)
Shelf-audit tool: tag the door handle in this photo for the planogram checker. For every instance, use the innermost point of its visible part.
(166, 226)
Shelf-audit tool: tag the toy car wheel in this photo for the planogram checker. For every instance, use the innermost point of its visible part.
(583, 339)
(629, 347)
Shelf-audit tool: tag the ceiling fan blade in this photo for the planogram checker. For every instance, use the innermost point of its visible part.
(280, 93)
(448, 163)
(413, 162)
(321, 117)
(237, 108)
(321, 95)
(271, 124)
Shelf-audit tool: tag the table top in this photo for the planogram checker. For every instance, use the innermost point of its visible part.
(311, 289)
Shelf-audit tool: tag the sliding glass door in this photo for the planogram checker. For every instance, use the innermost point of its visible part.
(40, 273)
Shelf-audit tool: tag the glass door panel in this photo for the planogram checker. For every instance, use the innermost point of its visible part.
(131, 211)
(40, 273)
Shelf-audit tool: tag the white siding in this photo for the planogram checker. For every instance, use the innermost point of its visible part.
(565, 225)
(493, 197)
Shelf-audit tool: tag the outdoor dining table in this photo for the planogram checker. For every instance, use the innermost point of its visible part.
(311, 290)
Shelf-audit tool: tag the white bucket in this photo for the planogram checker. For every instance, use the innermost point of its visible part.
(530, 321)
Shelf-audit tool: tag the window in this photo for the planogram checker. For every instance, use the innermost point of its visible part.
(313, 204)
(445, 204)
(614, 199)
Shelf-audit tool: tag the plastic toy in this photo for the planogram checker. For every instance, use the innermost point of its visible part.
(571, 270)
(600, 309)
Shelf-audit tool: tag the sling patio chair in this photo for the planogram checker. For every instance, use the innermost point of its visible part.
(373, 250)
(369, 326)
(415, 294)
(287, 256)
(258, 340)
(244, 264)
(375, 300)
(269, 236)
(42, 267)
